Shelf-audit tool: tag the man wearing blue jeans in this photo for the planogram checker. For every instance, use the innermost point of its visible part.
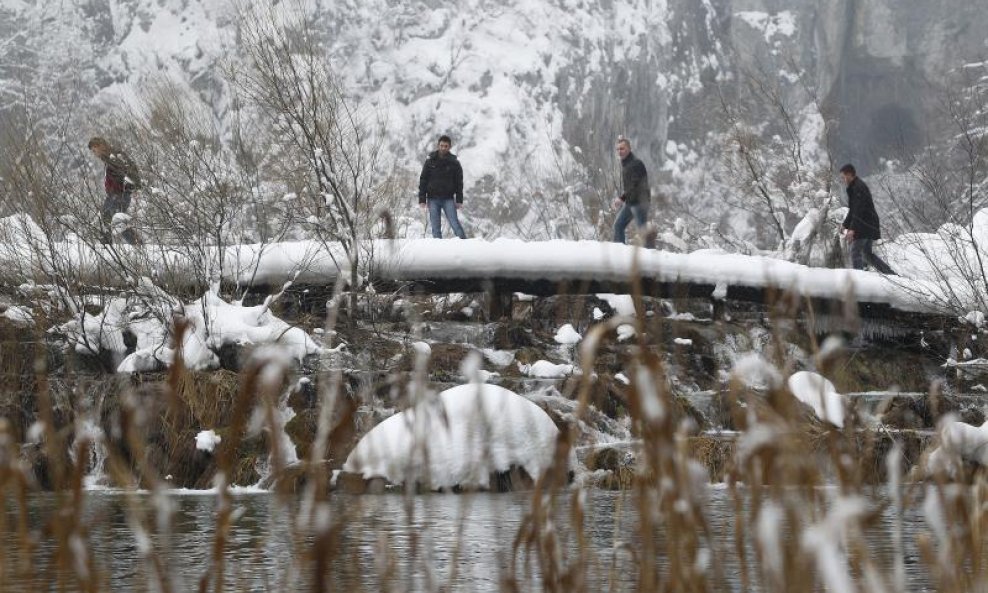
(441, 188)
(634, 201)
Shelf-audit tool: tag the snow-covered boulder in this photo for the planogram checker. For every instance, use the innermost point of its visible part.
(567, 335)
(819, 393)
(213, 324)
(458, 439)
(543, 369)
(959, 442)
(753, 370)
(18, 315)
(207, 440)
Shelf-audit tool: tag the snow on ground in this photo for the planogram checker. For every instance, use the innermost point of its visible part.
(458, 439)
(820, 394)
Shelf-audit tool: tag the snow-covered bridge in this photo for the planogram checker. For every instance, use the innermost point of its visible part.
(499, 268)
(506, 266)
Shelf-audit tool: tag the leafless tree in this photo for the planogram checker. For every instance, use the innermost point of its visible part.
(775, 161)
(327, 146)
(945, 191)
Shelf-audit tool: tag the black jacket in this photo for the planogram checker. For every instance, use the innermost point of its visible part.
(634, 179)
(861, 215)
(441, 178)
(121, 174)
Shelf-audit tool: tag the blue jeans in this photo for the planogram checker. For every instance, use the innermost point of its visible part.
(448, 205)
(861, 252)
(639, 212)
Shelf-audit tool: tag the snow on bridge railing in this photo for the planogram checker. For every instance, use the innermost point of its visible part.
(408, 260)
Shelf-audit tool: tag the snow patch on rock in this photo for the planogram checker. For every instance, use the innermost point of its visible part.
(458, 439)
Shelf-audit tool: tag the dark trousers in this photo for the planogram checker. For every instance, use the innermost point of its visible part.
(861, 252)
(116, 202)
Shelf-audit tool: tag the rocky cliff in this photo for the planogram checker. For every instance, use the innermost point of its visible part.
(535, 92)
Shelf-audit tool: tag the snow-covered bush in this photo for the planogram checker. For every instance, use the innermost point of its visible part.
(210, 324)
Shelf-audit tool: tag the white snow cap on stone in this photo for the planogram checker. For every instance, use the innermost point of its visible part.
(958, 441)
(543, 369)
(212, 323)
(625, 331)
(207, 440)
(754, 371)
(975, 318)
(19, 315)
(567, 334)
(820, 394)
(471, 431)
(422, 348)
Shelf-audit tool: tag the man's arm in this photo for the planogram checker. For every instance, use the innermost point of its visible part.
(458, 179)
(851, 203)
(423, 182)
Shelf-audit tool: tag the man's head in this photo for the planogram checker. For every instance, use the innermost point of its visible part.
(445, 143)
(623, 147)
(99, 147)
(848, 173)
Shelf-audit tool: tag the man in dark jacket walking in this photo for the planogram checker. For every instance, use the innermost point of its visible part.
(634, 202)
(861, 223)
(120, 179)
(441, 188)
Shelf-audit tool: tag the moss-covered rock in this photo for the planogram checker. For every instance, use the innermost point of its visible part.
(509, 335)
(714, 452)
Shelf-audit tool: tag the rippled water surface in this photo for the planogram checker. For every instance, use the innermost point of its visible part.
(388, 542)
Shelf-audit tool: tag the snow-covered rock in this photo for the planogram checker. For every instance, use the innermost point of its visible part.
(207, 440)
(567, 334)
(754, 371)
(820, 394)
(625, 331)
(459, 439)
(959, 442)
(212, 324)
(543, 369)
(18, 315)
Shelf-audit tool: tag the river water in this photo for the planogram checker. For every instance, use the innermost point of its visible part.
(432, 542)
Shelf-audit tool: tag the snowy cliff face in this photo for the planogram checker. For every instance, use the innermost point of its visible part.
(534, 92)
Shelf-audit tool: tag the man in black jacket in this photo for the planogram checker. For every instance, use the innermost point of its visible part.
(634, 201)
(861, 223)
(441, 188)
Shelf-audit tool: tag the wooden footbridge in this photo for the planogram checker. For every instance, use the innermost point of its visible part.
(499, 269)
